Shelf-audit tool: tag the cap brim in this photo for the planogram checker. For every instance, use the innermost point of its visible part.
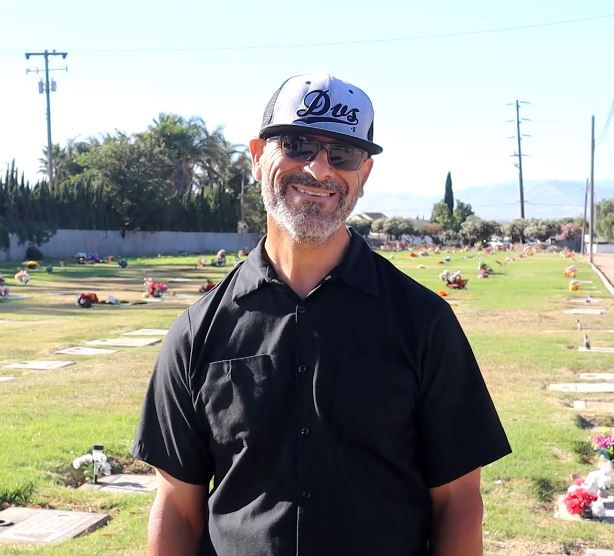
(368, 146)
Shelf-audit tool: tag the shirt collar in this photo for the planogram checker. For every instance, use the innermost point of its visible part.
(357, 268)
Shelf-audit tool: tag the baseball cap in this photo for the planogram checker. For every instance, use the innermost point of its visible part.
(321, 104)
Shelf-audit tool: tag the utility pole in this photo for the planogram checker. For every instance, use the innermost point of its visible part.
(519, 161)
(519, 153)
(582, 243)
(47, 87)
(592, 196)
(242, 216)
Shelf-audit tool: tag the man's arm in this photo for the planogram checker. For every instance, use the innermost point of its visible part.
(178, 517)
(457, 517)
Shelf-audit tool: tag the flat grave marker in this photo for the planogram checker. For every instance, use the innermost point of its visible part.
(124, 482)
(598, 349)
(34, 525)
(147, 332)
(585, 387)
(597, 405)
(6, 378)
(598, 552)
(596, 376)
(584, 311)
(82, 350)
(39, 365)
(194, 296)
(124, 342)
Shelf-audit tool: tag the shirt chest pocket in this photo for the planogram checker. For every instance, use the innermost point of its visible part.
(374, 401)
(242, 398)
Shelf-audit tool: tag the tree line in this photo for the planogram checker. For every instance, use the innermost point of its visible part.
(453, 222)
(176, 175)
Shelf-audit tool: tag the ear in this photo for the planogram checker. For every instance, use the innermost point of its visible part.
(365, 171)
(256, 147)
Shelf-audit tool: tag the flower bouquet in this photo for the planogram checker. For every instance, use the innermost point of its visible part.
(4, 289)
(574, 285)
(570, 271)
(602, 441)
(155, 289)
(578, 501)
(587, 496)
(86, 299)
(453, 280)
(22, 277)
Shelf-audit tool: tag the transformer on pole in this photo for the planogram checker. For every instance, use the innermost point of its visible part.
(46, 87)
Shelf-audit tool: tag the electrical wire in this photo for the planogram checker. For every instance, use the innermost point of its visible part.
(606, 126)
(341, 43)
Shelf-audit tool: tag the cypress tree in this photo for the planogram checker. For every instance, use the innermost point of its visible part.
(449, 196)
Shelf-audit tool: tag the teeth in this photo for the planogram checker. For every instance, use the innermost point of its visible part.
(314, 193)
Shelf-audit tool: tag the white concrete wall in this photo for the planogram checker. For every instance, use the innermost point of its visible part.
(598, 247)
(603, 247)
(65, 243)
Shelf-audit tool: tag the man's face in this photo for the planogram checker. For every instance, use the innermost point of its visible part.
(309, 200)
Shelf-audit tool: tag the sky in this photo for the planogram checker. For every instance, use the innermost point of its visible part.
(443, 77)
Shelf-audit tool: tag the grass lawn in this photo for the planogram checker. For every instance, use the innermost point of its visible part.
(514, 320)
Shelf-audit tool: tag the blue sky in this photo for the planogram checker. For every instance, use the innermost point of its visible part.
(440, 75)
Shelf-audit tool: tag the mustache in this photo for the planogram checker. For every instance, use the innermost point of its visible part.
(301, 179)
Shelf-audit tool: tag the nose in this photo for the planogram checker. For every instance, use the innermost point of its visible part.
(319, 167)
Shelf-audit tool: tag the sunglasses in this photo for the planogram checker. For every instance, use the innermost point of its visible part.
(340, 155)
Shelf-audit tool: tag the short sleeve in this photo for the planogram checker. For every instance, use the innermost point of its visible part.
(170, 435)
(458, 426)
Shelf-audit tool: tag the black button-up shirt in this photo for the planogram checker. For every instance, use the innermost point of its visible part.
(323, 421)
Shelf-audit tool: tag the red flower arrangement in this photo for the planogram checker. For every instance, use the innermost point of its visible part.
(155, 289)
(578, 500)
(86, 299)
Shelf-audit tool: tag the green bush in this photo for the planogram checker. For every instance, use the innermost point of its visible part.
(33, 253)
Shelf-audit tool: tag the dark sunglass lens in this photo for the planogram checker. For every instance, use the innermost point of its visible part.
(299, 147)
(345, 157)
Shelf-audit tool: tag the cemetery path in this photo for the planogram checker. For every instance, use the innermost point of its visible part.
(605, 263)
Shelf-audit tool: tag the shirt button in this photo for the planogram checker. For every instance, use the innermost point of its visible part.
(302, 369)
(328, 277)
(305, 495)
(300, 309)
(305, 431)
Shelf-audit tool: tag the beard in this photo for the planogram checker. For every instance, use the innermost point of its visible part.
(307, 222)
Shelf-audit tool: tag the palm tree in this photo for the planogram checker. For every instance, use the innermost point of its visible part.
(64, 159)
(184, 142)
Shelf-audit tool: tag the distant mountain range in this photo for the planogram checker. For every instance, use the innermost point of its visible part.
(543, 199)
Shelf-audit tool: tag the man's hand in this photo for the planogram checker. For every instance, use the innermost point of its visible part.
(178, 517)
(457, 517)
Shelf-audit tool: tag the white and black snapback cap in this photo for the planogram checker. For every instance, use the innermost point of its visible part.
(320, 104)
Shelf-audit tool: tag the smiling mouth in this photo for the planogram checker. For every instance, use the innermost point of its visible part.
(312, 193)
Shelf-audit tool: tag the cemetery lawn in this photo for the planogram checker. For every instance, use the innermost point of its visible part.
(514, 321)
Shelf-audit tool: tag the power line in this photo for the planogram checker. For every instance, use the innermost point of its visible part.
(410, 38)
(606, 126)
(554, 204)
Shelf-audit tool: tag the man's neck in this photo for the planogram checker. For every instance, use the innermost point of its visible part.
(303, 265)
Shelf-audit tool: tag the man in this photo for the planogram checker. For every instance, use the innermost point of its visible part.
(335, 403)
